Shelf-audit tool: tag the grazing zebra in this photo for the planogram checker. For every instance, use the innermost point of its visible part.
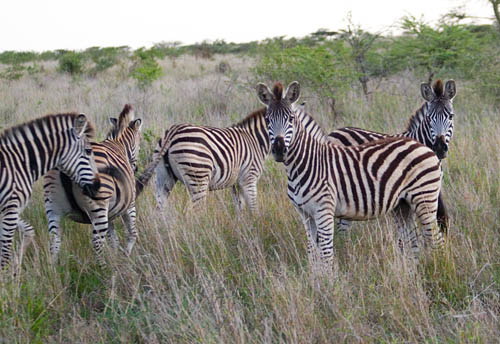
(207, 158)
(30, 150)
(432, 125)
(359, 183)
(116, 159)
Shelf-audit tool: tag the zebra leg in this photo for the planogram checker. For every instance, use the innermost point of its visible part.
(427, 216)
(10, 219)
(405, 222)
(311, 233)
(55, 234)
(325, 220)
(28, 235)
(237, 197)
(249, 191)
(442, 215)
(129, 221)
(198, 189)
(99, 220)
(112, 237)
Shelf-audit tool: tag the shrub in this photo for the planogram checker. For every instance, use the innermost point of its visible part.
(17, 57)
(14, 72)
(72, 63)
(326, 69)
(145, 69)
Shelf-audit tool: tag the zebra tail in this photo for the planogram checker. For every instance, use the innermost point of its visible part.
(145, 177)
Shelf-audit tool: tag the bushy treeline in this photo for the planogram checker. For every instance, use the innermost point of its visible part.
(328, 62)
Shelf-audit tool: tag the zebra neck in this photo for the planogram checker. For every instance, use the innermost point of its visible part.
(416, 123)
(36, 154)
(300, 151)
(256, 128)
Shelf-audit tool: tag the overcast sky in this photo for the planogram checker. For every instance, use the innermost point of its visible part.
(66, 24)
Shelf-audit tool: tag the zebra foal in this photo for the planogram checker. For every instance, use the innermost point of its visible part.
(358, 183)
(30, 150)
(116, 159)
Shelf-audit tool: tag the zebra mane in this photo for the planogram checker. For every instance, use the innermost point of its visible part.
(38, 122)
(438, 88)
(278, 91)
(126, 116)
(417, 118)
(251, 117)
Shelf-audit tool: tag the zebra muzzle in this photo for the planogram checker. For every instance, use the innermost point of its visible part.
(279, 149)
(440, 147)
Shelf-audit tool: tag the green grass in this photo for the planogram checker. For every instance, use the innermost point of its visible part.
(215, 275)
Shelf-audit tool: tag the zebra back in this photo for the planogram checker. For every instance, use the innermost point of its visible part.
(431, 124)
(30, 150)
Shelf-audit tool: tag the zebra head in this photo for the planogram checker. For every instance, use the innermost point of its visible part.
(280, 115)
(127, 130)
(78, 159)
(439, 115)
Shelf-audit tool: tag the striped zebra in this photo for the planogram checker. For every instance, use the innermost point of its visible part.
(116, 159)
(358, 183)
(207, 158)
(431, 125)
(30, 150)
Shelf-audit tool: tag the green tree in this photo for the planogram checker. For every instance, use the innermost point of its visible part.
(449, 46)
(361, 43)
(145, 69)
(326, 69)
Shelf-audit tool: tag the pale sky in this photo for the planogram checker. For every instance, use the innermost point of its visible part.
(66, 24)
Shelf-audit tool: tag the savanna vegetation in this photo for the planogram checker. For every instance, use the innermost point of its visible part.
(217, 275)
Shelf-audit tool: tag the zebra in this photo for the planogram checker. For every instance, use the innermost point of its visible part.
(431, 125)
(27, 152)
(116, 159)
(360, 182)
(206, 158)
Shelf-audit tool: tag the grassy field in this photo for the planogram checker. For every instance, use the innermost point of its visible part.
(219, 276)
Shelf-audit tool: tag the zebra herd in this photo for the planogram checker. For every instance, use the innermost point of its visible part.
(349, 174)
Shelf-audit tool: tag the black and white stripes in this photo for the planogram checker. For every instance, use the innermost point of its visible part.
(431, 125)
(361, 182)
(27, 152)
(116, 159)
(206, 158)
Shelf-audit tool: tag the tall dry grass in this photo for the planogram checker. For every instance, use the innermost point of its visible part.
(219, 276)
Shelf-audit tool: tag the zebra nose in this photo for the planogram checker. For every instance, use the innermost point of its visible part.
(278, 148)
(440, 147)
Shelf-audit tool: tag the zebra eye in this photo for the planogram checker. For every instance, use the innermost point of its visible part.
(88, 151)
(450, 116)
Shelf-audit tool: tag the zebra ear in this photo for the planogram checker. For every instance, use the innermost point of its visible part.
(80, 124)
(136, 124)
(450, 89)
(292, 93)
(113, 121)
(427, 92)
(264, 94)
